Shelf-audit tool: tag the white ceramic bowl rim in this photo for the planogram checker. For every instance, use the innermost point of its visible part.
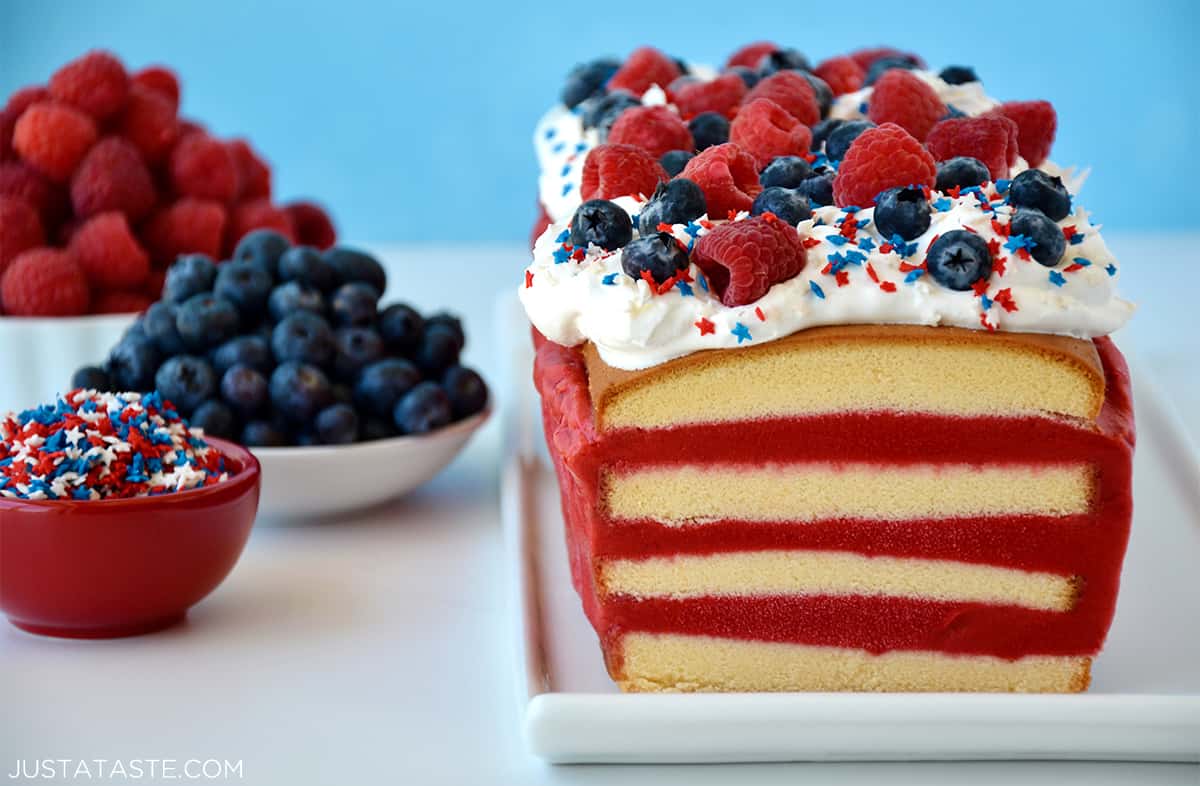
(312, 451)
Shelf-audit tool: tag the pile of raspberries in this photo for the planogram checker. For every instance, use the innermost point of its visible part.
(103, 185)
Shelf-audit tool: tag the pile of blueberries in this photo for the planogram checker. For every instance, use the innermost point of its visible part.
(288, 345)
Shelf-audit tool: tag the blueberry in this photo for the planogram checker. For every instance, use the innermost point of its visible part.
(840, 139)
(131, 365)
(601, 222)
(372, 428)
(423, 409)
(262, 248)
(962, 171)
(673, 161)
(189, 275)
(587, 80)
(1034, 188)
(957, 75)
(953, 112)
(381, 385)
(401, 328)
(439, 350)
(604, 111)
(657, 254)
(136, 331)
(263, 434)
(305, 265)
(91, 378)
(288, 298)
(337, 424)
(357, 348)
(303, 337)
(246, 285)
(467, 391)
(307, 438)
(158, 324)
(205, 321)
(253, 351)
(788, 204)
(354, 305)
(677, 201)
(818, 189)
(1049, 243)
(299, 391)
(783, 60)
(902, 211)
(748, 75)
(883, 64)
(785, 172)
(958, 259)
(342, 394)
(822, 90)
(245, 389)
(215, 419)
(353, 265)
(709, 129)
(821, 132)
(186, 381)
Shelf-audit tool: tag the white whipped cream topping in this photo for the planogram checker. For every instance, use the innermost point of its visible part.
(571, 301)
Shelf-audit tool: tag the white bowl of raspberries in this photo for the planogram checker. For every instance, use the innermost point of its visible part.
(287, 350)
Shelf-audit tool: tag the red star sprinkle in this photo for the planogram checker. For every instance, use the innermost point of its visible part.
(999, 229)
(811, 242)
(980, 287)
(998, 265)
(887, 286)
(843, 278)
(706, 326)
(1070, 232)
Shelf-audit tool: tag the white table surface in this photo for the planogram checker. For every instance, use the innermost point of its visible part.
(378, 649)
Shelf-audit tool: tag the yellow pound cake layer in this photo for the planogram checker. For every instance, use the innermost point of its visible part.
(680, 663)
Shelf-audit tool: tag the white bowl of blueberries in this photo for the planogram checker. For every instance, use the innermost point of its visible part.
(287, 350)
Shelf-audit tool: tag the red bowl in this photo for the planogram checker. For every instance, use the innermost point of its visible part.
(122, 567)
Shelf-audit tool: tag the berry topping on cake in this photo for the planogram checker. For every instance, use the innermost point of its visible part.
(721, 95)
(958, 75)
(677, 201)
(1047, 242)
(751, 55)
(644, 68)
(841, 137)
(881, 158)
(961, 172)
(743, 259)
(868, 57)
(611, 171)
(600, 113)
(783, 60)
(95, 83)
(906, 100)
(787, 204)
(785, 172)
(655, 129)
(987, 139)
(113, 176)
(902, 211)
(842, 74)
(44, 282)
(727, 175)
(792, 92)
(1041, 191)
(822, 130)
(53, 138)
(765, 130)
(1037, 123)
(708, 129)
(818, 189)
(957, 259)
(587, 80)
(656, 256)
(20, 229)
(884, 64)
(672, 162)
(109, 254)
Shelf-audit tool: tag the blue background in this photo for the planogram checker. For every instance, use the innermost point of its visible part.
(412, 122)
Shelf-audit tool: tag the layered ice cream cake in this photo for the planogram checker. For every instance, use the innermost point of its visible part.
(825, 376)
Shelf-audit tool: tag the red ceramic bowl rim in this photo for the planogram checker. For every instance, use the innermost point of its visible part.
(247, 476)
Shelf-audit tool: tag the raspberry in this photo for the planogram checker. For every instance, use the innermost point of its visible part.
(153, 285)
(44, 282)
(258, 214)
(20, 180)
(162, 80)
(792, 92)
(149, 122)
(20, 229)
(53, 138)
(654, 129)
(1036, 124)
(254, 176)
(751, 55)
(727, 176)
(865, 57)
(203, 167)
(96, 83)
(116, 301)
(765, 130)
(18, 102)
(190, 226)
(108, 252)
(743, 259)
(721, 95)
(645, 67)
(902, 98)
(312, 224)
(985, 138)
(842, 74)
(881, 158)
(611, 171)
(113, 177)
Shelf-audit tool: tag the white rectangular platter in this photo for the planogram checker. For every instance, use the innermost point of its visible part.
(1144, 703)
